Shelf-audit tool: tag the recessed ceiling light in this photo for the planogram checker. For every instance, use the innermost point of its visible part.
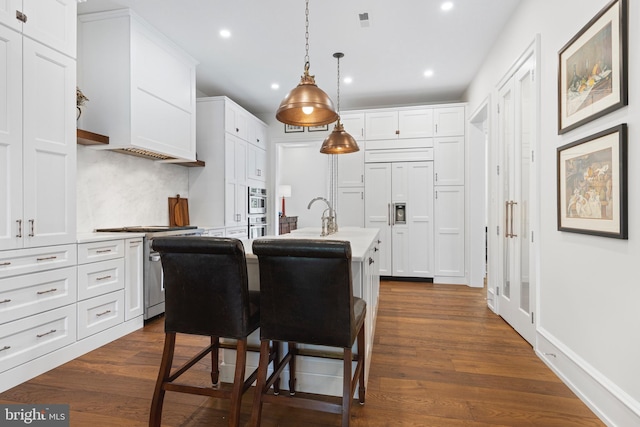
(275, 86)
(225, 34)
(348, 80)
(428, 73)
(448, 5)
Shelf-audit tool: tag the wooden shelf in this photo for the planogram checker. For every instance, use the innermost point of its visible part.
(89, 138)
(196, 164)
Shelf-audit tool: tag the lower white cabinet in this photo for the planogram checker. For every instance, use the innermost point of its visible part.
(34, 336)
(100, 313)
(134, 277)
(449, 231)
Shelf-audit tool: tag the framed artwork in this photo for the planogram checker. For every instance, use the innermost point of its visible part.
(318, 128)
(592, 70)
(292, 128)
(592, 184)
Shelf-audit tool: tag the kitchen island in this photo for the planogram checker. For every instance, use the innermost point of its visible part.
(322, 375)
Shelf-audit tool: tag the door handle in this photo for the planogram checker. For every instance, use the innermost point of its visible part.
(506, 218)
(512, 203)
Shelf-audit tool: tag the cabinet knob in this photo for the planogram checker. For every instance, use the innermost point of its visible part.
(398, 132)
(21, 16)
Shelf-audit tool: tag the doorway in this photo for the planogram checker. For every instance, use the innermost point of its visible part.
(515, 145)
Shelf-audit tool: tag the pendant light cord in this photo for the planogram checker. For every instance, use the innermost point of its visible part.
(306, 36)
(338, 109)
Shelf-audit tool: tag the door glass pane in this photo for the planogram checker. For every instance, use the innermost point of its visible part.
(526, 140)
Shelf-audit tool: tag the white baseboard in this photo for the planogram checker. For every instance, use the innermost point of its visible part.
(612, 405)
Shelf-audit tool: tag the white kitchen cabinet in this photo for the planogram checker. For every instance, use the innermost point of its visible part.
(52, 23)
(218, 193)
(257, 133)
(241, 233)
(351, 166)
(399, 124)
(236, 188)
(256, 163)
(449, 231)
(350, 209)
(236, 120)
(37, 144)
(134, 277)
(448, 157)
(399, 201)
(353, 123)
(449, 121)
(142, 110)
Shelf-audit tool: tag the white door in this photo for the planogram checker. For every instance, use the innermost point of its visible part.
(448, 156)
(377, 209)
(517, 126)
(449, 231)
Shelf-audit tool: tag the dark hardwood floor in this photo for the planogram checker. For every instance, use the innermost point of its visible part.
(440, 358)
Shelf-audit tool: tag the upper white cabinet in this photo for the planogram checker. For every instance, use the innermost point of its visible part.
(448, 154)
(141, 86)
(37, 143)
(52, 23)
(231, 162)
(449, 121)
(399, 124)
(351, 166)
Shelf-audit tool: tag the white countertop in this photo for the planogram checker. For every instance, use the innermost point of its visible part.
(360, 239)
(99, 237)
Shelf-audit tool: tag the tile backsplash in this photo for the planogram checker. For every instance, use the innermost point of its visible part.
(115, 190)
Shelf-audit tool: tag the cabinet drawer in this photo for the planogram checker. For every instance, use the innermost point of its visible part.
(35, 336)
(100, 313)
(100, 251)
(99, 278)
(23, 261)
(34, 293)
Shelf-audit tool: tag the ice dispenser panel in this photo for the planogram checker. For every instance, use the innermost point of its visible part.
(400, 213)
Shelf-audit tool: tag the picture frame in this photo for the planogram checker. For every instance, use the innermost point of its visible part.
(318, 128)
(593, 69)
(293, 129)
(592, 184)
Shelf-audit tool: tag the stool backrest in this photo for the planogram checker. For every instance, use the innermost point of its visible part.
(306, 292)
(206, 285)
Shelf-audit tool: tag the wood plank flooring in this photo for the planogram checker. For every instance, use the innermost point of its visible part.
(440, 358)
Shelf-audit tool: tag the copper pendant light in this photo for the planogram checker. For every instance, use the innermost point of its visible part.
(339, 141)
(307, 104)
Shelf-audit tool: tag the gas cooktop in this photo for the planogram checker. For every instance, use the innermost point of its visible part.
(146, 229)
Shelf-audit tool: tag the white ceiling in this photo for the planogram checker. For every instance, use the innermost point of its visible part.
(386, 60)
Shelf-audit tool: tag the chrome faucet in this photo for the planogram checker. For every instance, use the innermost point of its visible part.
(329, 218)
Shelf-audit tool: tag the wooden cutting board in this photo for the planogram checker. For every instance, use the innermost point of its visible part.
(178, 211)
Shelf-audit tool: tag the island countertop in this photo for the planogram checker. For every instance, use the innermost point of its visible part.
(360, 239)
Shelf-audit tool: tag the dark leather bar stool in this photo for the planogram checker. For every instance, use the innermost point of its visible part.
(207, 293)
(306, 297)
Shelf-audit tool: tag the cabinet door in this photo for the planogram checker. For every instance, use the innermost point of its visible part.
(377, 206)
(256, 162)
(52, 23)
(257, 134)
(350, 208)
(8, 13)
(354, 125)
(236, 121)
(449, 231)
(448, 155)
(415, 123)
(351, 169)
(10, 138)
(235, 181)
(449, 121)
(49, 126)
(134, 276)
(381, 125)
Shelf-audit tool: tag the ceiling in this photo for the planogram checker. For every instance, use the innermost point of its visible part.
(385, 56)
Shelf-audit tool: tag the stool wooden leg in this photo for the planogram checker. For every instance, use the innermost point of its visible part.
(238, 383)
(155, 415)
(292, 368)
(215, 369)
(263, 365)
(346, 387)
(276, 348)
(362, 360)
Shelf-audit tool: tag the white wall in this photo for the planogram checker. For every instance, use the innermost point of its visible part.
(116, 190)
(589, 293)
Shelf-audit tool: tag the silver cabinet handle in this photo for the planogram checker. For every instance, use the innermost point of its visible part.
(5, 301)
(506, 219)
(2, 264)
(103, 278)
(46, 292)
(103, 313)
(19, 221)
(46, 333)
(512, 203)
(103, 251)
(6, 347)
(32, 225)
(48, 258)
